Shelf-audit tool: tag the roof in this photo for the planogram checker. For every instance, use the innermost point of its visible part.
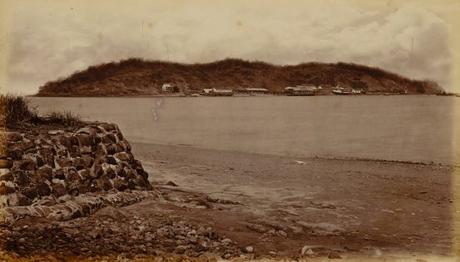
(256, 89)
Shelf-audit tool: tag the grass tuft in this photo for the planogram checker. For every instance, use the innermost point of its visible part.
(66, 118)
(16, 110)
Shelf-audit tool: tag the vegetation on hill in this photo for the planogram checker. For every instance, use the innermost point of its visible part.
(139, 77)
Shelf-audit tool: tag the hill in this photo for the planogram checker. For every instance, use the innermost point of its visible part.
(137, 77)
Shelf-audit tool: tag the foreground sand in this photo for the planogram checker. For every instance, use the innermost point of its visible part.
(359, 207)
(260, 206)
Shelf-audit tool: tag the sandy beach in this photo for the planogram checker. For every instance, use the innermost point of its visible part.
(348, 206)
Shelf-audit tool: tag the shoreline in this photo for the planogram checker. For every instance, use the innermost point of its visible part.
(332, 158)
(267, 95)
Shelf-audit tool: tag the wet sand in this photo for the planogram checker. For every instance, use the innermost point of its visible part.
(352, 206)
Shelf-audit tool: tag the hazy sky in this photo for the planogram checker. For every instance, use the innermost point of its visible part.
(49, 40)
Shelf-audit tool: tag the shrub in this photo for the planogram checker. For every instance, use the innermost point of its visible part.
(15, 109)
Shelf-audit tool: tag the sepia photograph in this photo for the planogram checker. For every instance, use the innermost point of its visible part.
(229, 130)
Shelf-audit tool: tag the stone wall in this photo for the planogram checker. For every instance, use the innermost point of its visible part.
(49, 163)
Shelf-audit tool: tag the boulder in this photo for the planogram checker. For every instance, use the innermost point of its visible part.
(13, 136)
(43, 189)
(6, 189)
(123, 156)
(58, 189)
(21, 178)
(45, 172)
(103, 182)
(85, 139)
(120, 184)
(7, 177)
(47, 154)
(64, 162)
(25, 164)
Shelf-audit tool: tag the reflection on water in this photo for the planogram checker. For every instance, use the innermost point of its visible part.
(409, 128)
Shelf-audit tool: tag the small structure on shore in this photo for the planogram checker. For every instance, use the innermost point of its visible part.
(302, 90)
(217, 92)
(252, 90)
(342, 91)
(169, 88)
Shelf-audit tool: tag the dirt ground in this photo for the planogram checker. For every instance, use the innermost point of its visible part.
(229, 205)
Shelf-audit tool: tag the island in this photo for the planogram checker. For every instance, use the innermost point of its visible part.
(138, 77)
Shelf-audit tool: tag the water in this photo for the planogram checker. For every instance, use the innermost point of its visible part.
(407, 128)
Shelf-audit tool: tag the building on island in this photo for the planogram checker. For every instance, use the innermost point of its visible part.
(217, 92)
(169, 88)
(302, 90)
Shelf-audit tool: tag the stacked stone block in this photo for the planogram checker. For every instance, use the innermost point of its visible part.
(54, 163)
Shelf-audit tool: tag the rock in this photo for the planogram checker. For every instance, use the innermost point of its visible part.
(111, 160)
(120, 184)
(64, 162)
(21, 178)
(65, 140)
(39, 160)
(334, 255)
(85, 174)
(104, 183)
(6, 189)
(108, 127)
(125, 145)
(26, 164)
(85, 139)
(110, 173)
(123, 156)
(47, 154)
(88, 160)
(30, 192)
(46, 172)
(171, 183)
(101, 150)
(79, 163)
(112, 149)
(249, 249)
(20, 200)
(58, 189)
(86, 130)
(86, 150)
(43, 189)
(7, 177)
(306, 250)
(60, 174)
(282, 233)
(73, 176)
(15, 153)
(226, 241)
(55, 132)
(13, 136)
(181, 249)
(109, 139)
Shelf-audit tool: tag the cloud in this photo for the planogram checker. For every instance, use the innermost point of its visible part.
(48, 43)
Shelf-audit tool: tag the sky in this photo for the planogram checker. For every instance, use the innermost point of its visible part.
(48, 40)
